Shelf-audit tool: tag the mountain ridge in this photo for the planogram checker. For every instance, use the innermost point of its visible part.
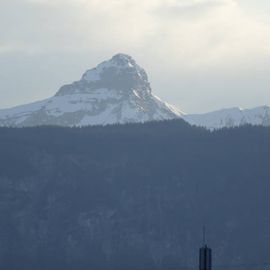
(116, 91)
(133, 196)
(231, 117)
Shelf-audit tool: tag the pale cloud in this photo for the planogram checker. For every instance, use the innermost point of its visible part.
(166, 36)
(4, 48)
(212, 33)
(195, 32)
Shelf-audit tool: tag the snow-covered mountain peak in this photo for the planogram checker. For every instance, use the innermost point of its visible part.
(123, 60)
(231, 117)
(117, 63)
(120, 73)
(116, 91)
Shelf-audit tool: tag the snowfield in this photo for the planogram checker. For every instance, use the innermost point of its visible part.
(118, 91)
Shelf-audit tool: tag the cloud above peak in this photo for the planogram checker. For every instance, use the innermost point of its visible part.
(177, 36)
(195, 31)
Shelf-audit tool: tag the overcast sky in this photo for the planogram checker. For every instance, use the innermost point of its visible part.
(200, 55)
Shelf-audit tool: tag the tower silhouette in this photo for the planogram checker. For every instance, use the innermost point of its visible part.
(205, 255)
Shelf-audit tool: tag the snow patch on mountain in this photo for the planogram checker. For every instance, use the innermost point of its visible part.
(116, 91)
(231, 117)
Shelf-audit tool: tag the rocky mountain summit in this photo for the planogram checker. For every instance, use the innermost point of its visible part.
(116, 91)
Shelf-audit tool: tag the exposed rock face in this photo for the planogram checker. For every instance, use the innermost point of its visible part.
(116, 91)
(121, 73)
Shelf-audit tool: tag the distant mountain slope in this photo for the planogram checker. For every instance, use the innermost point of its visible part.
(116, 91)
(133, 197)
(232, 117)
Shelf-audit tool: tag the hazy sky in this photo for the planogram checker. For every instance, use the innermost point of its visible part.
(200, 55)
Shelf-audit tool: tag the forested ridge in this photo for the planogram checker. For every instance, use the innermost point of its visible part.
(133, 196)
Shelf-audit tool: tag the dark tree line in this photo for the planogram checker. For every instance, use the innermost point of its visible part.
(132, 196)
